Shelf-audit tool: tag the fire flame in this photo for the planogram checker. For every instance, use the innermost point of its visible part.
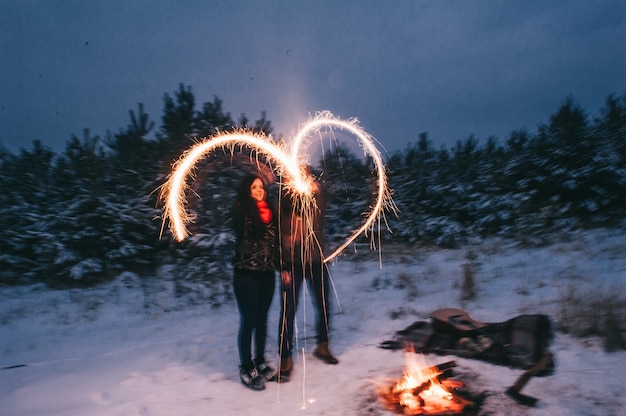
(421, 392)
(418, 374)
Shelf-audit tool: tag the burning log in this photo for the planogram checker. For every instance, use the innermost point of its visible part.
(416, 391)
(440, 368)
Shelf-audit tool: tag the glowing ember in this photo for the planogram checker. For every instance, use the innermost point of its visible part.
(287, 163)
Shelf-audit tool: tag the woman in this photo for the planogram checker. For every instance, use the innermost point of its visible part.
(255, 224)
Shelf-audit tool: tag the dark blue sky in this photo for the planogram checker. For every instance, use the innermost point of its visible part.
(451, 68)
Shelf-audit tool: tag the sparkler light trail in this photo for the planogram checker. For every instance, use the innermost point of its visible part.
(287, 162)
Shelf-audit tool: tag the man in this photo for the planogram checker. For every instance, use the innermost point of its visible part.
(302, 258)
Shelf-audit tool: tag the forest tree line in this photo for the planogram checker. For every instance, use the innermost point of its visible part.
(91, 212)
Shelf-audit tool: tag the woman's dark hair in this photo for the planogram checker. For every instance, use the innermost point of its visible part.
(243, 192)
(248, 204)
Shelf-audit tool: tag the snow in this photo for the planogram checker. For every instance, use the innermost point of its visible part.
(133, 347)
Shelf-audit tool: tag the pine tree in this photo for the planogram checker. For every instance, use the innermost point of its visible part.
(178, 123)
(212, 118)
(27, 189)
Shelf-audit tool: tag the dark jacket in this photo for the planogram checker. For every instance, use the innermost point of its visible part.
(302, 242)
(256, 248)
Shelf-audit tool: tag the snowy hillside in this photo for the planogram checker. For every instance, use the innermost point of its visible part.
(136, 347)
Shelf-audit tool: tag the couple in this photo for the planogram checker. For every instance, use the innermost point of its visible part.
(270, 239)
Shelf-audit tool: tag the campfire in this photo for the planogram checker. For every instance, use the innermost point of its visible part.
(427, 390)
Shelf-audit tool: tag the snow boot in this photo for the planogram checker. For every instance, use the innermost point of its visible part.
(251, 378)
(284, 373)
(323, 353)
(267, 372)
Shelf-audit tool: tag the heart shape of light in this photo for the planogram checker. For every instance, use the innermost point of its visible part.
(286, 161)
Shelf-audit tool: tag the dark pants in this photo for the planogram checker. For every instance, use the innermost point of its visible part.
(254, 292)
(317, 276)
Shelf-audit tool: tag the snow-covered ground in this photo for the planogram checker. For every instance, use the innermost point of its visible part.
(131, 347)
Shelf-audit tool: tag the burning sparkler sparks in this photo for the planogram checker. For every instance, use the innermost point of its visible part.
(287, 162)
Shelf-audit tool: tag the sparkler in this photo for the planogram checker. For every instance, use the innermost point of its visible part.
(286, 162)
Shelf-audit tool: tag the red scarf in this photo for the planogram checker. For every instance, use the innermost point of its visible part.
(264, 211)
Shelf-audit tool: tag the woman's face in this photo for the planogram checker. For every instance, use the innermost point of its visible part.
(257, 191)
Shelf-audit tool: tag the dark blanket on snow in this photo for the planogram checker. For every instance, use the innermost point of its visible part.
(519, 342)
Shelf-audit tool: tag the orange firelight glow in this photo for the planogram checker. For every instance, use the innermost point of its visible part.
(418, 374)
(420, 391)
